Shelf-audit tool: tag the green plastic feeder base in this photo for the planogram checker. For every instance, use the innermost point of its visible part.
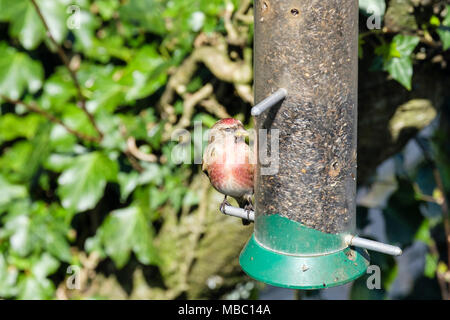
(301, 271)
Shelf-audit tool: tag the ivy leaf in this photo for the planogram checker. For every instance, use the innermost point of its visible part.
(58, 90)
(45, 266)
(26, 24)
(423, 233)
(105, 91)
(147, 14)
(401, 70)
(82, 184)
(8, 278)
(18, 72)
(13, 126)
(21, 237)
(10, 192)
(405, 45)
(444, 30)
(145, 74)
(107, 8)
(33, 288)
(400, 67)
(431, 263)
(24, 158)
(128, 182)
(127, 230)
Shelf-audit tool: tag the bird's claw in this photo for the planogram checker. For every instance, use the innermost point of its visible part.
(222, 206)
(247, 208)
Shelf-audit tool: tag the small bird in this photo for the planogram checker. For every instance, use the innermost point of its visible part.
(226, 163)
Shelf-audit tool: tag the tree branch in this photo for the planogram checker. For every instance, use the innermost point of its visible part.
(72, 73)
(138, 154)
(52, 118)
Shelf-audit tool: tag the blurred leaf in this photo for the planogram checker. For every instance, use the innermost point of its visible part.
(82, 184)
(10, 192)
(145, 14)
(402, 215)
(18, 72)
(442, 268)
(400, 67)
(31, 227)
(444, 30)
(145, 73)
(13, 126)
(75, 118)
(102, 82)
(127, 230)
(431, 263)
(33, 288)
(21, 236)
(45, 266)
(24, 158)
(423, 233)
(128, 182)
(8, 278)
(434, 21)
(107, 8)
(59, 162)
(425, 179)
(26, 24)
(206, 119)
(58, 90)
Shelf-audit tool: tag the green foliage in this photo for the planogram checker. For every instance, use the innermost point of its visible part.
(18, 72)
(26, 25)
(444, 30)
(82, 183)
(127, 230)
(397, 58)
(48, 176)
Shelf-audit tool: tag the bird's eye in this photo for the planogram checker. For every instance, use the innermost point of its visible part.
(228, 129)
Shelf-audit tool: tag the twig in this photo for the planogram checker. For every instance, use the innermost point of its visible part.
(138, 154)
(72, 73)
(241, 12)
(52, 118)
(440, 278)
(190, 101)
(444, 206)
(214, 107)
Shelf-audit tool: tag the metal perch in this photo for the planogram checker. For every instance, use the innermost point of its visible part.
(350, 240)
(269, 102)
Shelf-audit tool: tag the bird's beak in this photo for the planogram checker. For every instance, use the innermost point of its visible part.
(241, 133)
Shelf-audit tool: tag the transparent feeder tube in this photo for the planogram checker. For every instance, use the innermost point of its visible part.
(306, 167)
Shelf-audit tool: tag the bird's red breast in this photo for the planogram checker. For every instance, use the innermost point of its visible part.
(235, 180)
(226, 159)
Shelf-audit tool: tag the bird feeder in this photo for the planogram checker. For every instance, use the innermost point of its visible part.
(306, 66)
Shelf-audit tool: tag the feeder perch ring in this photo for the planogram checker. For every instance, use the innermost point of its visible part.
(349, 240)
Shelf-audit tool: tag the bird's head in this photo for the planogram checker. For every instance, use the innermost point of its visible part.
(227, 128)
